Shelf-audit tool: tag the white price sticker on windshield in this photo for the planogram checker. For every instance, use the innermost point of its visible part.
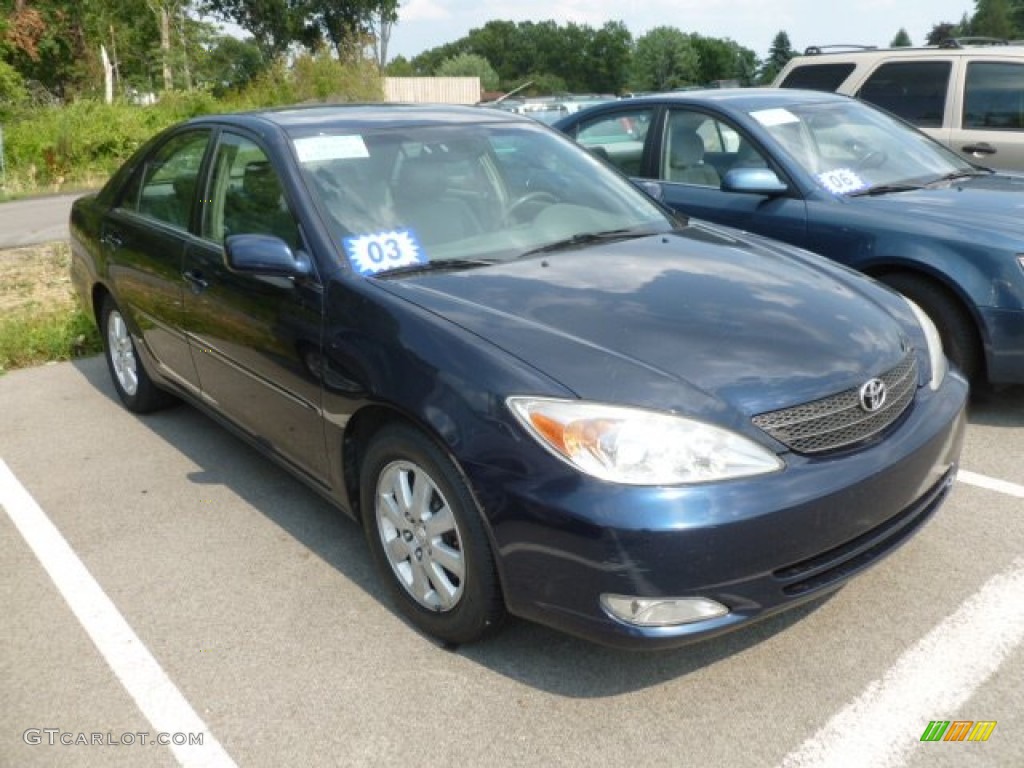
(772, 117)
(316, 149)
(841, 181)
(370, 254)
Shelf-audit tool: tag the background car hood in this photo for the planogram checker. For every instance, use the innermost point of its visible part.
(992, 204)
(670, 320)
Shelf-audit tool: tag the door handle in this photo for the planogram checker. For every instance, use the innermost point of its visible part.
(196, 281)
(112, 240)
(981, 148)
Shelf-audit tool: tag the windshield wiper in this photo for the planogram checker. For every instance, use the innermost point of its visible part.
(884, 189)
(441, 265)
(965, 174)
(587, 238)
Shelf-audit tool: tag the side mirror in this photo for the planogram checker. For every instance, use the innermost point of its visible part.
(265, 255)
(652, 189)
(754, 181)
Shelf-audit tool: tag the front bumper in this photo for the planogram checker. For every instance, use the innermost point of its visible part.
(756, 546)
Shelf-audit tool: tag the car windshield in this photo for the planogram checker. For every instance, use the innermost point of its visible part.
(464, 195)
(850, 148)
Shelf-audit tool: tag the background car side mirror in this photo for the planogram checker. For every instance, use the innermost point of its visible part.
(265, 255)
(652, 189)
(754, 181)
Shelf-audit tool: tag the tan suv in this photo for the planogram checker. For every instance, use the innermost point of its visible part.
(967, 95)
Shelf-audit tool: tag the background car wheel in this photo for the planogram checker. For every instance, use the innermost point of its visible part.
(959, 337)
(136, 390)
(427, 539)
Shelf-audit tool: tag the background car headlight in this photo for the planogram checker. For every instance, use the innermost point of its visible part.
(936, 355)
(638, 447)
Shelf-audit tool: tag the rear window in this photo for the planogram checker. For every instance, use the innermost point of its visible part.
(914, 90)
(818, 77)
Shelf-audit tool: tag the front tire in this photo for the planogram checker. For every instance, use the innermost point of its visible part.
(427, 538)
(133, 384)
(959, 336)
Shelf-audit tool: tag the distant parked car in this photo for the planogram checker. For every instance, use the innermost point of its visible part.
(967, 93)
(535, 389)
(841, 178)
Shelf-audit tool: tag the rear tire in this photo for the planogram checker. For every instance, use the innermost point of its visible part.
(959, 335)
(133, 384)
(427, 538)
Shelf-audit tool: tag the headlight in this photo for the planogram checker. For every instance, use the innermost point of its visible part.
(638, 447)
(936, 355)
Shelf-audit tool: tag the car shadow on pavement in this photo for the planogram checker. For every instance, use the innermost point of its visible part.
(997, 406)
(528, 653)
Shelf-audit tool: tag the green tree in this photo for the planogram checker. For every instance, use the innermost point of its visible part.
(939, 32)
(993, 18)
(230, 64)
(607, 58)
(400, 67)
(470, 65)
(664, 59)
(902, 40)
(723, 59)
(778, 55)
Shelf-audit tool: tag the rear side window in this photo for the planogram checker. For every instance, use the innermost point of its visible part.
(818, 77)
(164, 188)
(914, 90)
(994, 96)
(618, 137)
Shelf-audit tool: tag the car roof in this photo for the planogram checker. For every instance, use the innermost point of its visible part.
(823, 53)
(738, 98)
(300, 119)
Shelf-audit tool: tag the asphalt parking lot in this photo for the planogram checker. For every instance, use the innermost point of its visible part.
(217, 596)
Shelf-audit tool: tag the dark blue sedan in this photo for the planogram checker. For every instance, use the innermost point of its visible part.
(537, 391)
(843, 179)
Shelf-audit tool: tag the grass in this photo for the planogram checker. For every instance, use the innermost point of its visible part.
(40, 319)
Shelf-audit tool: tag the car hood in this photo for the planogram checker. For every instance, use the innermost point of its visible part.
(691, 320)
(989, 204)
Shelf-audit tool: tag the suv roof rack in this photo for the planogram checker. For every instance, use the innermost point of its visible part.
(963, 42)
(814, 50)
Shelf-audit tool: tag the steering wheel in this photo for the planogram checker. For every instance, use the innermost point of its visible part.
(537, 196)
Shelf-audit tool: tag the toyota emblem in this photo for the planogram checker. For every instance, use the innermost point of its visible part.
(872, 395)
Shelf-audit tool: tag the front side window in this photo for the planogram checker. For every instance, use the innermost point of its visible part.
(164, 188)
(994, 96)
(618, 138)
(246, 196)
(697, 149)
(914, 90)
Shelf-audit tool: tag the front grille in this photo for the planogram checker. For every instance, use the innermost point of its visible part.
(839, 421)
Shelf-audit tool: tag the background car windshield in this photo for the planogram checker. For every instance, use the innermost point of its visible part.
(396, 197)
(849, 147)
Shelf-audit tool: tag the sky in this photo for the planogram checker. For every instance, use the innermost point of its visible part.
(425, 24)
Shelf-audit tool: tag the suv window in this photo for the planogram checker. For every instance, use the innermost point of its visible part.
(818, 77)
(914, 90)
(994, 96)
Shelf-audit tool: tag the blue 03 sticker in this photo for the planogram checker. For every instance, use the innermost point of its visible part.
(379, 252)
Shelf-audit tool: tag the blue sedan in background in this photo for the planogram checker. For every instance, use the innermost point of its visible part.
(537, 390)
(848, 181)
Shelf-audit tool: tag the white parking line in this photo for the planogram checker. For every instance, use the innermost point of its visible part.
(991, 483)
(141, 675)
(928, 682)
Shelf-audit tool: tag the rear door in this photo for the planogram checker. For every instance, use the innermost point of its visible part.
(145, 236)
(256, 340)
